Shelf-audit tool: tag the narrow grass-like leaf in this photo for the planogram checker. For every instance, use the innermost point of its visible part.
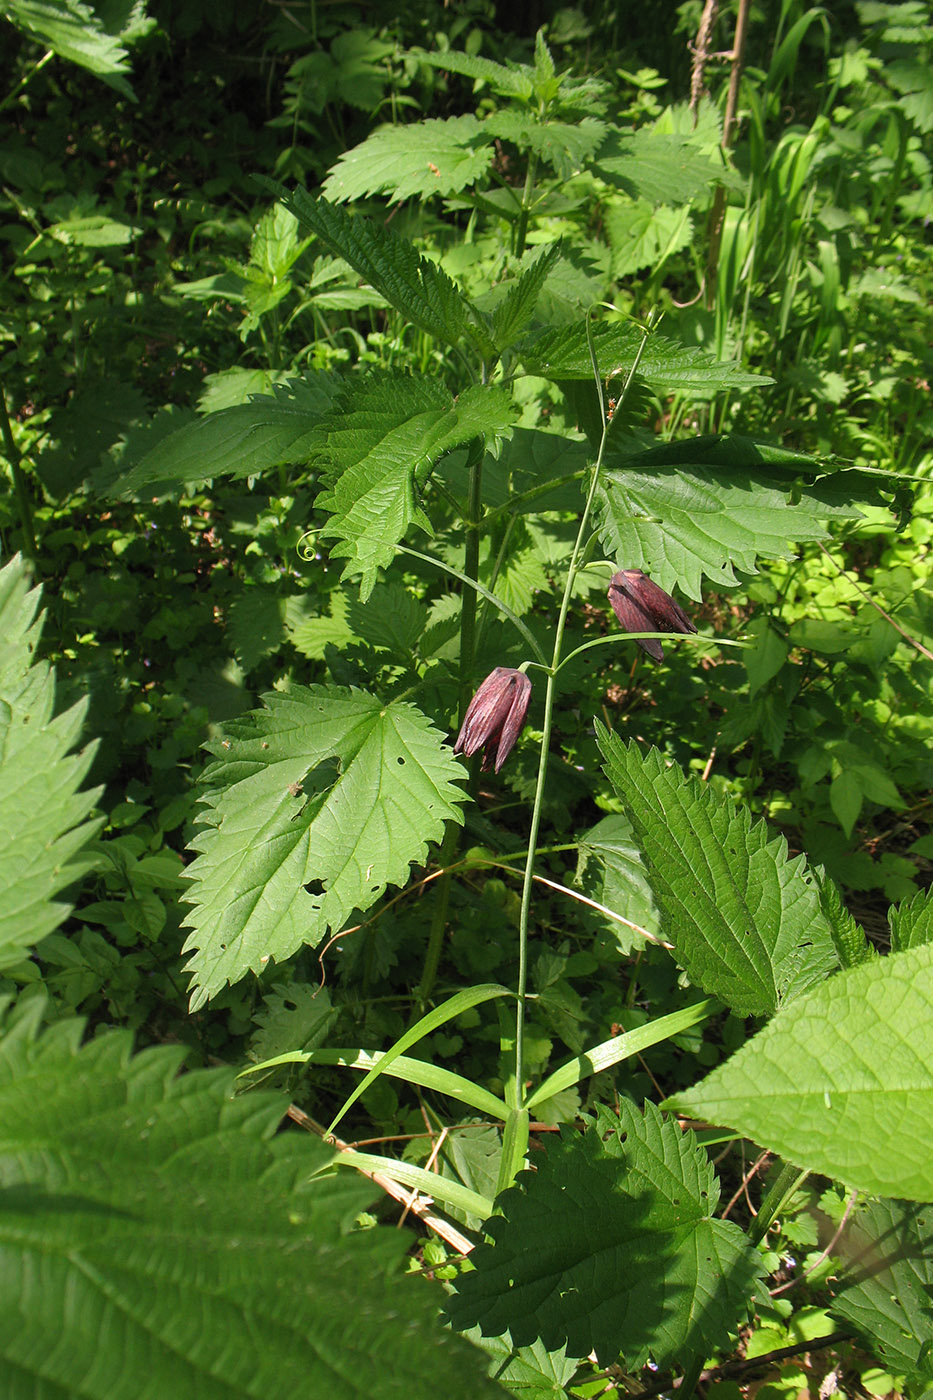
(438, 1016)
(416, 287)
(161, 1238)
(432, 1184)
(43, 813)
(398, 1067)
(621, 1047)
(611, 1245)
(745, 919)
(315, 803)
(841, 1081)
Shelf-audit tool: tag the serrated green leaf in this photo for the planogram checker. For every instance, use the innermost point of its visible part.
(317, 802)
(161, 1238)
(841, 1081)
(416, 287)
(611, 1246)
(75, 32)
(711, 506)
(667, 366)
(512, 81)
(885, 1287)
(392, 620)
(643, 235)
(611, 871)
(852, 947)
(745, 920)
(567, 147)
(513, 313)
(245, 440)
(44, 831)
(381, 443)
(661, 167)
(912, 924)
(429, 157)
(256, 625)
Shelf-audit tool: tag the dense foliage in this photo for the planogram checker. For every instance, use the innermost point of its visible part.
(465, 653)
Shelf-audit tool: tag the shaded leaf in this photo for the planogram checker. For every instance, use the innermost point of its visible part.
(161, 1238)
(611, 1246)
(666, 365)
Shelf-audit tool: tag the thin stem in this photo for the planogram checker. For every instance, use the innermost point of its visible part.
(524, 918)
(467, 650)
(789, 1179)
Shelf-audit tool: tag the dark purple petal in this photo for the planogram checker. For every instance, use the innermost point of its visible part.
(642, 606)
(495, 716)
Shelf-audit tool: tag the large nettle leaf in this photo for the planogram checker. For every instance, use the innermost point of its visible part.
(663, 167)
(159, 1237)
(434, 157)
(885, 1287)
(315, 803)
(244, 440)
(414, 285)
(43, 826)
(667, 366)
(378, 447)
(745, 920)
(712, 505)
(841, 1081)
(612, 1245)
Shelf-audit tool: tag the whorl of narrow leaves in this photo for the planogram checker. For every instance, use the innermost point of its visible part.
(315, 804)
(744, 919)
(43, 826)
(611, 1245)
(161, 1238)
(841, 1081)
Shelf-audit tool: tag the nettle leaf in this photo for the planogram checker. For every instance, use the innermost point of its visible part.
(383, 440)
(516, 309)
(841, 1081)
(610, 871)
(710, 506)
(563, 353)
(414, 285)
(514, 80)
(429, 157)
(43, 816)
(912, 924)
(316, 803)
(566, 147)
(886, 1285)
(392, 620)
(75, 32)
(744, 919)
(245, 440)
(643, 235)
(160, 1237)
(611, 1246)
(661, 167)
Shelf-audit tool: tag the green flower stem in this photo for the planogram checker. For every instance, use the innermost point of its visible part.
(467, 650)
(789, 1179)
(512, 1167)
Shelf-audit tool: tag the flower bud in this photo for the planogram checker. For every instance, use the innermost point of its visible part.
(642, 606)
(495, 716)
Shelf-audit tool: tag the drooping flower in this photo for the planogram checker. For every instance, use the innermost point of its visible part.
(495, 716)
(643, 606)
